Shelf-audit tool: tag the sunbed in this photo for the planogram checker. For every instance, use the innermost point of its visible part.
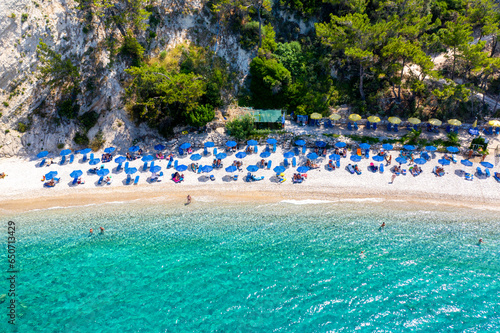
(99, 182)
(269, 164)
(294, 162)
(235, 177)
(469, 176)
(128, 180)
(63, 160)
(350, 169)
(71, 158)
(381, 167)
(479, 172)
(441, 174)
(136, 180)
(487, 172)
(285, 163)
(356, 169)
(212, 178)
(497, 176)
(169, 165)
(42, 163)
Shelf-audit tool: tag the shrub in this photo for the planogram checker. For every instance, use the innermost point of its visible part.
(60, 145)
(68, 108)
(88, 120)
(22, 127)
(200, 116)
(24, 18)
(163, 55)
(13, 15)
(6, 104)
(241, 128)
(7, 131)
(81, 139)
(97, 142)
(131, 47)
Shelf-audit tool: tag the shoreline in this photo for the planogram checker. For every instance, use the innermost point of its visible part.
(223, 195)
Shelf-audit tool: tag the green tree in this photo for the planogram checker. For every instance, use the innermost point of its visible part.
(242, 127)
(356, 36)
(201, 115)
(56, 71)
(456, 34)
(269, 82)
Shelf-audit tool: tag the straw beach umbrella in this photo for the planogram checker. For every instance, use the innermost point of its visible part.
(494, 123)
(414, 121)
(454, 122)
(316, 116)
(335, 116)
(354, 117)
(435, 122)
(373, 119)
(394, 120)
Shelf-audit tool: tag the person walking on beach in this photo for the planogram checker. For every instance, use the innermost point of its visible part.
(188, 200)
(392, 179)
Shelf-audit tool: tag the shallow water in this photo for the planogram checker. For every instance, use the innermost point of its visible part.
(288, 267)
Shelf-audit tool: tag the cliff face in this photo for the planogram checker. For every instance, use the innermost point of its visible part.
(29, 120)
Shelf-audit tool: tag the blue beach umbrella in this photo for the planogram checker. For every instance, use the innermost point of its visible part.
(312, 156)
(452, 149)
(252, 142)
(94, 161)
(147, 158)
(102, 172)
(209, 144)
(231, 168)
(51, 175)
(340, 144)
(420, 160)
(300, 142)
(430, 148)
(265, 154)
(206, 168)
(252, 168)
(409, 147)
(159, 147)
(487, 165)
(85, 151)
(401, 160)
(466, 163)
(335, 157)
(155, 168)
(231, 144)
(65, 152)
(364, 146)
(221, 156)
(109, 150)
(321, 144)
(133, 149)
(195, 157)
(120, 159)
(288, 154)
(387, 146)
(42, 154)
(241, 154)
(76, 173)
(130, 171)
(355, 158)
(185, 145)
(271, 141)
(378, 158)
(279, 169)
(444, 162)
(181, 167)
(302, 169)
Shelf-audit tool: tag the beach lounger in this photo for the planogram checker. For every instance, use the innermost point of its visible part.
(91, 156)
(255, 149)
(176, 162)
(368, 125)
(448, 129)
(349, 126)
(145, 166)
(389, 127)
(469, 176)
(84, 158)
(75, 180)
(212, 177)
(152, 164)
(497, 130)
(396, 128)
(99, 182)
(169, 165)
(235, 177)
(350, 169)
(136, 180)
(126, 165)
(42, 163)
(367, 153)
(269, 164)
(296, 151)
(374, 125)
(304, 149)
(160, 177)
(337, 163)
(181, 151)
(487, 172)
(274, 148)
(63, 160)
(128, 180)
(71, 158)
(215, 151)
(497, 176)
(285, 162)
(355, 126)
(381, 167)
(358, 172)
(294, 162)
(118, 167)
(415, 127)
(408, 127)
(479, 171)
(403, 172)
(441, 174)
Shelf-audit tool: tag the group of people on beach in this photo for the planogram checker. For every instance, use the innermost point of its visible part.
(106, 157)
(217, 163)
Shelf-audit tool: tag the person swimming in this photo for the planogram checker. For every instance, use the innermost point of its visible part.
(91, 231)
(480, 241)
(383, 225)
(102, 230)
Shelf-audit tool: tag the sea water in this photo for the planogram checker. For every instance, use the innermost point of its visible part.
(285, 267)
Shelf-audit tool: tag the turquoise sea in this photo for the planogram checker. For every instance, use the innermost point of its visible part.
(286, 267)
